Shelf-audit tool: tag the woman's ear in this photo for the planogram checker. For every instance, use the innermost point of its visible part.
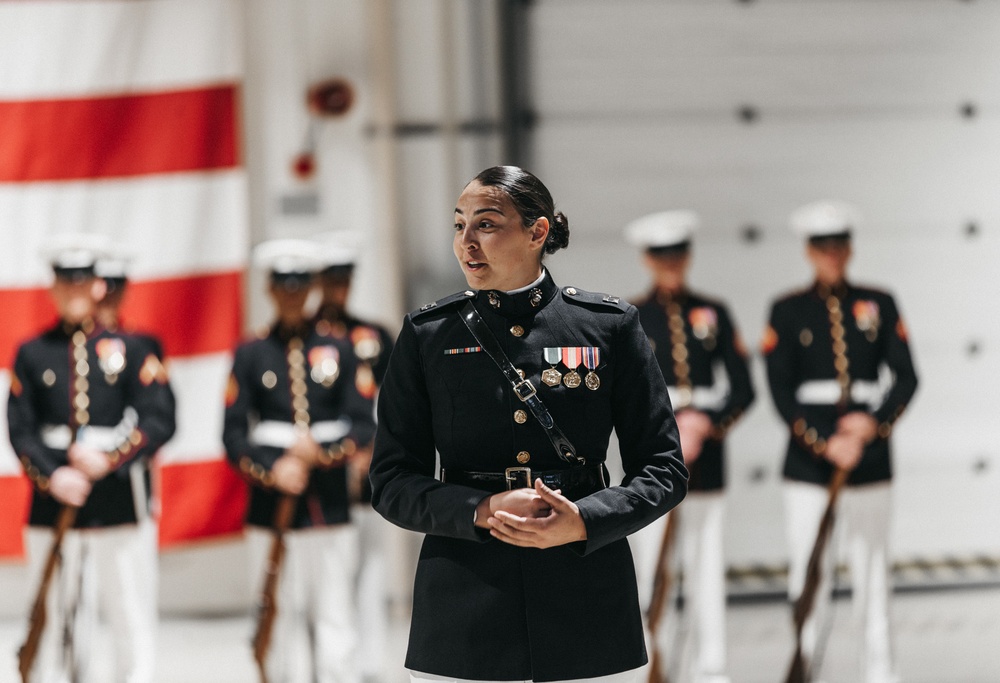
(540, 231)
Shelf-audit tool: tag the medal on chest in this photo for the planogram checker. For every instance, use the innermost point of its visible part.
(571, 358)
(704, 325)
(591, 359)
(551, 377)
(866, 316)
(367, 345)
(111, 358)
(324, 362)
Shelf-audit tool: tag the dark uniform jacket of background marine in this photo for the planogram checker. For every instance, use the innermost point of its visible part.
(799, 349)
(371, 343)
(372, 346)
(40, 396)
(712, 345)
(484, 609)
(260, 390)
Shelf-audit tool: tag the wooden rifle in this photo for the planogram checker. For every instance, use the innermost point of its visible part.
(661, 593)
(268, 608)
(29, 650)
(39, 615)
(797, 670)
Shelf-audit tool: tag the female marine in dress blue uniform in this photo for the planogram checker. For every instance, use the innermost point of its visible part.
(525, 573)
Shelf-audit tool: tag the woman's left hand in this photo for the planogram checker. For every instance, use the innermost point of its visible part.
(561, 526)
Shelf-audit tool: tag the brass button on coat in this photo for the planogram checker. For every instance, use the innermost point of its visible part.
(520, 417)
(517, 331)
(523, 457)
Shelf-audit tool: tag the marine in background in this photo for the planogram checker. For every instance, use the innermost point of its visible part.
(840, 372)
(293, 421)
(705, 364)
(88, 407)
(371, 344)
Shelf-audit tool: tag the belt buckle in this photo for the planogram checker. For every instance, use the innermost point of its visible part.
(517, 477)
(524, 390)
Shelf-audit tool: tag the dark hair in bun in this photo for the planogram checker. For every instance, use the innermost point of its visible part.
(531, 199)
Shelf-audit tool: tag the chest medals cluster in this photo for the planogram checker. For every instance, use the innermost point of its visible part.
(571, 357)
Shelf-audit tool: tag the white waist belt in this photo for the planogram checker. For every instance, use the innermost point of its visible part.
(702, 398)
(283, 434)
(826, 392)
(105, 439)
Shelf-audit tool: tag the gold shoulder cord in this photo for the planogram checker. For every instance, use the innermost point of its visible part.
(297, 374)
(81, 368)
(300, 404)
(679, 352)
(840, 362)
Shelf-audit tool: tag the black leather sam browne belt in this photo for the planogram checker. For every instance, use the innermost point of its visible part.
(523, 388)
(580, 480)
(575, 483)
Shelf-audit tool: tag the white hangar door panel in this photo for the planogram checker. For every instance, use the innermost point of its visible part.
(743, 111)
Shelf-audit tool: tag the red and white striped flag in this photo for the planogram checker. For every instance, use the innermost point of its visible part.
(122, 117)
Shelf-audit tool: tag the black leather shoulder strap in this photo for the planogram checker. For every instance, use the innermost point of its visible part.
(523, 388)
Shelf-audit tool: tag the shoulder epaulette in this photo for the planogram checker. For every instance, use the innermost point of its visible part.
(442, 303)
(581, 296)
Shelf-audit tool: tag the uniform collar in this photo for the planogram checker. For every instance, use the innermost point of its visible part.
(519, 304)
(285, 333)
(89, 327)
(663, 297)
(332, 314)
(825, 291)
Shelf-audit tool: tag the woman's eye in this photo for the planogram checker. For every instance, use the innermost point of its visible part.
(483, 225)
(458, 227)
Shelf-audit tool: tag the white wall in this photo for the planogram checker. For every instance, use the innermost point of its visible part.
(638, 102)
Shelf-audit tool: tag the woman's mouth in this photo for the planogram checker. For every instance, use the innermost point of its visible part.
(475, 265)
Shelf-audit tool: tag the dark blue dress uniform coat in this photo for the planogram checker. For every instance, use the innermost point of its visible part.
(259, 390)
(712, 342)
(798, 347)
(483, 609)
(370, 342)
(371, 345)
(40, 396)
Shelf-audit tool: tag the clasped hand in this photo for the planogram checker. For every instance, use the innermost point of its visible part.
(694, 427)
(854, 431)
(71, 484)
(291, 470)
(532, 518)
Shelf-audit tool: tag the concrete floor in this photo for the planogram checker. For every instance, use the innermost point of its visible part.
(942, 636)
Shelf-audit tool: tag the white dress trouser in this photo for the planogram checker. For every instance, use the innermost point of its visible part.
(372, 604)
(315, 635)
(698, 551)
(861, 527)
(113, 570)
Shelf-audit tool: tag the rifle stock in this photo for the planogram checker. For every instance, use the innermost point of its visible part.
(29, 650)
(268, 608)
(661, 594)
(797, 670)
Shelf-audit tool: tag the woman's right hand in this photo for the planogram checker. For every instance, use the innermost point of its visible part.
(521, 502)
